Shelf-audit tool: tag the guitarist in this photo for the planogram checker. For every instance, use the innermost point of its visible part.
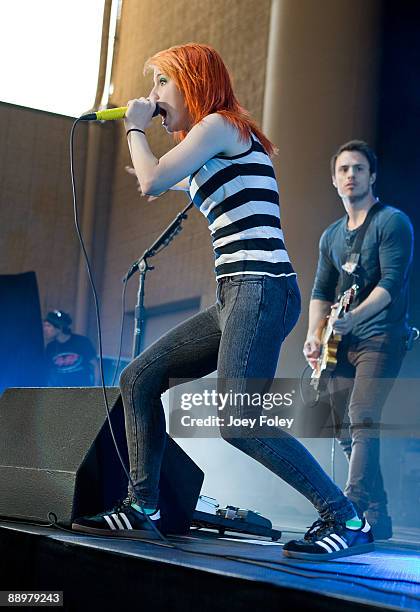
(371, 246)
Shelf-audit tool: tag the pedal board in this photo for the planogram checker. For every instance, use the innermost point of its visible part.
(231, 518)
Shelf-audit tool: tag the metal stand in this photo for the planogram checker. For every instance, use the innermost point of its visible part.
(139, 308)
(143, 266)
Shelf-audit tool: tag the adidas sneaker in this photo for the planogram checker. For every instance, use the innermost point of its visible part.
(328, 540)
(122, 521)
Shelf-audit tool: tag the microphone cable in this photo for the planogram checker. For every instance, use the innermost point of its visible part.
(99, 329)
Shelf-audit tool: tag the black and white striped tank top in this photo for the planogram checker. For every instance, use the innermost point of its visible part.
(239, 197)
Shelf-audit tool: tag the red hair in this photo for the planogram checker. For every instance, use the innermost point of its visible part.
(200, 74)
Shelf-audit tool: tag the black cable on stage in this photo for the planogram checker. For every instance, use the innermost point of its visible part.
(279, 566)
(51, 516)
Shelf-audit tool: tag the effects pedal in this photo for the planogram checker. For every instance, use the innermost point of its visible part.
(209, 515)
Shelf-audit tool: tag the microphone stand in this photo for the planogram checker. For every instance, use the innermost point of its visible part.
(142, 265)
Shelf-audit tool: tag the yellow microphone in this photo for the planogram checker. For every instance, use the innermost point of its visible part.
(109, 114)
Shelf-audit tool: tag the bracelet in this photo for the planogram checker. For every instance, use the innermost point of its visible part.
(135, 130)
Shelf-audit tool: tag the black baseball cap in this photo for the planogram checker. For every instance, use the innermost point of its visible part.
(59, 318)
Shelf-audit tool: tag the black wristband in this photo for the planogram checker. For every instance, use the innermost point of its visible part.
(134, 130)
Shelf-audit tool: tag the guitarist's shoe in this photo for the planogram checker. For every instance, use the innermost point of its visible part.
(381, 524)
(327, 540)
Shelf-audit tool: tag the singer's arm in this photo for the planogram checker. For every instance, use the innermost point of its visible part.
(183, 185)
(212, 136)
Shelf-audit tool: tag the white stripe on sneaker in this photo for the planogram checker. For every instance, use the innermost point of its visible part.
(325, 546)
(124, 517)
(110, 523)
(339, 540)
(117, 521)
(366, 527)
(155, 516)
(331, 543)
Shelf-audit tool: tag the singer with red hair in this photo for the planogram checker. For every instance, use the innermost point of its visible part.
(222, 159)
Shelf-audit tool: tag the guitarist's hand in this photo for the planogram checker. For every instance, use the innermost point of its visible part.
(344, 325)
(312, 350)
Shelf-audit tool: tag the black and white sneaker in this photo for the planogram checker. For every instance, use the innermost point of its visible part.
(328, 540)
(122, 521)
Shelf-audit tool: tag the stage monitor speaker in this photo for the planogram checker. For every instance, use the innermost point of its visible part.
(22, 344)
(57, 456)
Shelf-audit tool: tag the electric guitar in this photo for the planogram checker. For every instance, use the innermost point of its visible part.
(327, 360)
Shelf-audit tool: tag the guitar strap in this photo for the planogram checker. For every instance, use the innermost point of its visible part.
(350, 266)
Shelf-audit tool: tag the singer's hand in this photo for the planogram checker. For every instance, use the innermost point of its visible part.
(139, 113)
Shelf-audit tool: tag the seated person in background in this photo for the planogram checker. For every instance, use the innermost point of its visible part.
(71, 359)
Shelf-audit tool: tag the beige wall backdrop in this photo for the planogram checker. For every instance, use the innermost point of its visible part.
(36, 214)
(306, 70)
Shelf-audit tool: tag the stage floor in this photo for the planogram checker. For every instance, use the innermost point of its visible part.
(388, 578)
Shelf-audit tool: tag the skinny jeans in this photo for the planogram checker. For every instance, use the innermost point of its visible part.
(240, 336)
(364, 376)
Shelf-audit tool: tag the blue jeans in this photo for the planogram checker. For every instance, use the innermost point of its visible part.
(240, 336)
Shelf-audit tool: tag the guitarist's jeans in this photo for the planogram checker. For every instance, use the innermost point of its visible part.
(240, 336)
(359, 387)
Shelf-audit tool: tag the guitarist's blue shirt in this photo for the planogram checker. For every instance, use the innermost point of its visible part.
(385, 261)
